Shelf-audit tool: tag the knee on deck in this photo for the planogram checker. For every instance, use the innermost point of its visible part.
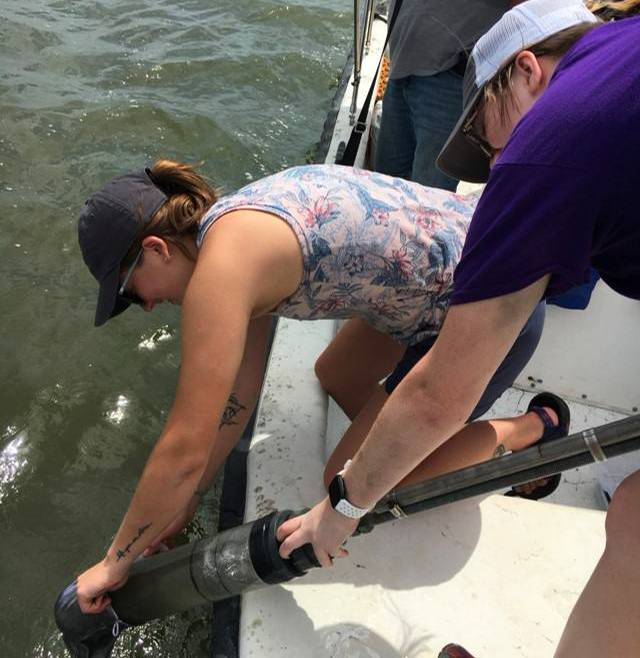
(623, 520)
(325, 372)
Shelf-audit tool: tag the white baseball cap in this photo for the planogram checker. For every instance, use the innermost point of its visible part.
(520, 28)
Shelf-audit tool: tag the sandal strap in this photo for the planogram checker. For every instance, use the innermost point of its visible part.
(544, 417)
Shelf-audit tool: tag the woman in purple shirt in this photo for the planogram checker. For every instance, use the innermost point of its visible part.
(552, 103)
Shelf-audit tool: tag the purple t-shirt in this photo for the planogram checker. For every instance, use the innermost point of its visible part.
(565, 192)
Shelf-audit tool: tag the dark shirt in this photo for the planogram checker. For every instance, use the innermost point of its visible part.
(565, 192)
(429, 35)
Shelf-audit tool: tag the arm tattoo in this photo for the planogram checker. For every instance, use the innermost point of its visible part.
(232, 409)
(122, 553)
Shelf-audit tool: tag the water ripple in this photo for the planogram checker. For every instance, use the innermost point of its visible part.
(14, 459)
(89, 89)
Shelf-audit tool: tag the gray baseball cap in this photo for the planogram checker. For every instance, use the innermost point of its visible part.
(109, 224)
(520, 28)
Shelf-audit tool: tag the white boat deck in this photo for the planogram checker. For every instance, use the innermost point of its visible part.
(499, 575)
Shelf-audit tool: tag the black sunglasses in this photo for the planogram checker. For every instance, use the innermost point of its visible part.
(123, 293)
(468, 130)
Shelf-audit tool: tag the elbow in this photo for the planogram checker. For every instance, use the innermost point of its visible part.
(434, 405)
(184, 459)
(189, 470)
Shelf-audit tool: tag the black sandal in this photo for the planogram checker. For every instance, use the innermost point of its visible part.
(549, 483)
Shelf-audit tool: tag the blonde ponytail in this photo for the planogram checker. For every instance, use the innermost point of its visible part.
(615, 10)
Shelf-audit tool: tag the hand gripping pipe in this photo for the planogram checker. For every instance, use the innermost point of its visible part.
(232, 562)
(246, 557)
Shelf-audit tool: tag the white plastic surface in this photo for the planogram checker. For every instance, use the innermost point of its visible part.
(498, 575)
(591, 355)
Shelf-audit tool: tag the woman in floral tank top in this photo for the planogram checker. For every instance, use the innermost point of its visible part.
(311, 242)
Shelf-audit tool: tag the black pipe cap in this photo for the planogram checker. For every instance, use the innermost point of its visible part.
(86, 636)
(264, 551)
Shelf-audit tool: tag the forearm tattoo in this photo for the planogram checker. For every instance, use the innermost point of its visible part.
(122, 553)
(232, 409)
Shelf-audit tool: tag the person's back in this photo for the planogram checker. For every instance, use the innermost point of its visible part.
(374, 247)
(428, 46)
(429, 37)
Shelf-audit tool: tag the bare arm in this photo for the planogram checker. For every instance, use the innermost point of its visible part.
(243, 399)
(429, 406)
(224, 292)
(237, 412)
(212, 348)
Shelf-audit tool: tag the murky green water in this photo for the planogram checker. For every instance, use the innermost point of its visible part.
(87, 90)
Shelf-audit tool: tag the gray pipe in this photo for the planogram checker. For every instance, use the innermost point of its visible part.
(538, 461)
(235, 561)
(207, 570)
(246, 557)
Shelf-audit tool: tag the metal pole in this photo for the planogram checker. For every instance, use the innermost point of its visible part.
(215, 568)
(357, 59)
(538, 461)
(235, 561)
(369, 20)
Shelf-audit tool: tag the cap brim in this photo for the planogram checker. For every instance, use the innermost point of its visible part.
(109, 304)
(459, 158)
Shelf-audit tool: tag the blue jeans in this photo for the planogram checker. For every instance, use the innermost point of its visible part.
(418, 113)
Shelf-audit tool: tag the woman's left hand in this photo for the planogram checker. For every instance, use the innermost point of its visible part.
(95, 584)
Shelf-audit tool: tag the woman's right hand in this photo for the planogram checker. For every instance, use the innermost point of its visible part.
(95, 584)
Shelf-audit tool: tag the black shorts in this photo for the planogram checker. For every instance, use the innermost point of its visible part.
(504, 376)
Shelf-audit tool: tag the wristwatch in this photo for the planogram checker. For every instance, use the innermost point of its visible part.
(339, 502)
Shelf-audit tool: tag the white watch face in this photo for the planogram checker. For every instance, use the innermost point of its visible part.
(347, 509)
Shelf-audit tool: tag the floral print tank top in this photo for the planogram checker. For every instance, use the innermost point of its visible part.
(374, 247)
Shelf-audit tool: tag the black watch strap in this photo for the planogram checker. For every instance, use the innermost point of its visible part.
(339, 501)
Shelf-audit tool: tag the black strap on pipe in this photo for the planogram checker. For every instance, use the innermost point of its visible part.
(349, 154)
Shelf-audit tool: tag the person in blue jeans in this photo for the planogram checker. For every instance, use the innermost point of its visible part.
(428, 48)
(541, 88)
